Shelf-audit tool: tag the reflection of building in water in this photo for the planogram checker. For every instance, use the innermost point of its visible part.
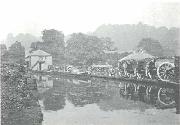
(54, 98)
(44, 83)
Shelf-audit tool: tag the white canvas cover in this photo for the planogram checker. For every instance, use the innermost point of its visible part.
(140, 55)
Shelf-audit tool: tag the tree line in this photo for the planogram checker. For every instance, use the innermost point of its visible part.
(78, 49)
(127, 36)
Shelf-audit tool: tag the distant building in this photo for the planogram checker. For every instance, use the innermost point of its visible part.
(38, 60)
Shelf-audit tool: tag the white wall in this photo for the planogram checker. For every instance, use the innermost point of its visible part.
(44, 66)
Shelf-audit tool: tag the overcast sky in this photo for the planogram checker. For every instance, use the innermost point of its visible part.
(32, 16)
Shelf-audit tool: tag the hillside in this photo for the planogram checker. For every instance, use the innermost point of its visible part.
(127, 37)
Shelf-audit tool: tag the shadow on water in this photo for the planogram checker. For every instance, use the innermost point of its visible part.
(107, 95)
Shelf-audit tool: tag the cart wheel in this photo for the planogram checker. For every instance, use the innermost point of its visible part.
(165, 71)
(166, 96)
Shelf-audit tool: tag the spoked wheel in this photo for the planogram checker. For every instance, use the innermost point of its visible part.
(165, 71)
(166, 96)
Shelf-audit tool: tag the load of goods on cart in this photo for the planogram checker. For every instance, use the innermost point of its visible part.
(142, 65)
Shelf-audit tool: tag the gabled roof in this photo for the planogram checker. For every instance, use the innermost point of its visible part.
(137, 56)
(37, 53)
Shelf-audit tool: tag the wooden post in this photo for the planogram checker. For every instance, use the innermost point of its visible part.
(177, 89)
(39, 66)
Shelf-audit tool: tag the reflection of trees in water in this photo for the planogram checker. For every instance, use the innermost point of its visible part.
(86, 93)
(54, 98)
(116, 102)
(106, 94)
(54, 102)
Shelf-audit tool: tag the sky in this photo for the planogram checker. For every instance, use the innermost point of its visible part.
(33, 16)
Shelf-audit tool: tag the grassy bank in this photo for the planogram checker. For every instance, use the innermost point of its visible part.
(19, 101)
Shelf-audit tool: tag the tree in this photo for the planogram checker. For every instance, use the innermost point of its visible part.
(152, 46)
(3, 48)
(171, 48)
(53, 35)
(4, 53)
(53, 43)
(16, 53)
(126, 36)
(85, 49)
(108, 44)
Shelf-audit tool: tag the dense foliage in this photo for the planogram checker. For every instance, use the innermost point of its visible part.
(16, 53)
(4, 53)
(17, 96)
(85, 49)
(127, 36)
(53, 43)
(153, 47)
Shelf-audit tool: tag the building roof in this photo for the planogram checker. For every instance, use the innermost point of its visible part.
(37, 53)
(140, 55)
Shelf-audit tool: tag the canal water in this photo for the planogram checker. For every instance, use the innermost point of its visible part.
(74, 101)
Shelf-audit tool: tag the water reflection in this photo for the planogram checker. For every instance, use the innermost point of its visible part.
(44, 83)
(107, 95)
(53, 98)
(95, 101)
(152, 95)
